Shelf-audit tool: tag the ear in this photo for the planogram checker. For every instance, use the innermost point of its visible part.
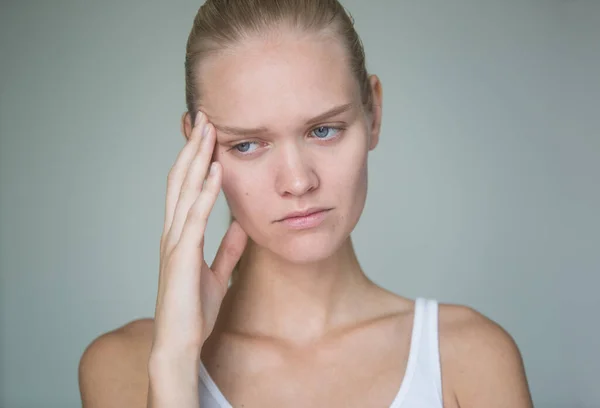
(375, 116)
(186, 125)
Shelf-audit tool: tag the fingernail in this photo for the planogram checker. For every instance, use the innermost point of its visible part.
(213, 169)
(205, 130)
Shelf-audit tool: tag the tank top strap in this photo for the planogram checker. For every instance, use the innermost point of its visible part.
(430, 353)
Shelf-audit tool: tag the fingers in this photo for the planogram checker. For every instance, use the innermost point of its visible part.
(179, 170)
(194, 225)
(192, 185)
(229, 252)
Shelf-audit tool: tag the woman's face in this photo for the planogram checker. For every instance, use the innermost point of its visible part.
(292, 135)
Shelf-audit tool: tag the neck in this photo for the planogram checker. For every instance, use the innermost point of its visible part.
(275, 298)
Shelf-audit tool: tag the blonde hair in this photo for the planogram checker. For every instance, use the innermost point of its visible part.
(220, 24)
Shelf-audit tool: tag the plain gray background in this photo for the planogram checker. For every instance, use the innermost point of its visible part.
(483, 191)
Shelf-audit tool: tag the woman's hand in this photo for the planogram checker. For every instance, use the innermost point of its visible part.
(189, 291)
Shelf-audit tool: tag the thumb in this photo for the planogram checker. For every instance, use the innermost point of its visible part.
(230, 251)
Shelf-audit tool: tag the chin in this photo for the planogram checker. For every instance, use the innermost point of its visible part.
(310, 247)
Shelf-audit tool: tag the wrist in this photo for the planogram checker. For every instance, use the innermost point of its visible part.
(173, 382)
(171, 362)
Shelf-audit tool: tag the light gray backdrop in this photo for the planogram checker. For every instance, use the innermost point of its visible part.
(484, 189)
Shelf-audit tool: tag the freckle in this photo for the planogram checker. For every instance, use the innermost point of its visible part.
(246, 193)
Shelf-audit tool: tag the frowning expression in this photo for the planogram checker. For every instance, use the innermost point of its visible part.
(292, 136)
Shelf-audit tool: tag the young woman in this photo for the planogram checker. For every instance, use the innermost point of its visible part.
(281, 115)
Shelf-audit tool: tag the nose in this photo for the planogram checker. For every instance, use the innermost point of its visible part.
(296, 174)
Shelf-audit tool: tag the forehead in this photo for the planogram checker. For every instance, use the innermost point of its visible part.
(284, 78)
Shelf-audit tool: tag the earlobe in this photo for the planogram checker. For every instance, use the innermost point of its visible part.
(186, 125)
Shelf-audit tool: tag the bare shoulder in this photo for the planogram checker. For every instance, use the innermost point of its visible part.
(481, 363)
(113, 370)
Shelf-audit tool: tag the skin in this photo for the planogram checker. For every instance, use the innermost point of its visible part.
(303, 325)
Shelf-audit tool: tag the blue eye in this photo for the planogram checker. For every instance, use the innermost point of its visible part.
(243, 147)
(323, 131)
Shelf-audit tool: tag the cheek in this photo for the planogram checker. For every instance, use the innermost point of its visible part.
(234, 188)
(350, 172)
(243, 191)
(232, 184)
(353, 192)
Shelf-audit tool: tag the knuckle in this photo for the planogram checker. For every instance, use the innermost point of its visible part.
(179, 255)
(175, 260)
(191, 185)
(176, 254)
(196, 214)
(164, 242)
(173, 175)
(183, 250)
(166, 247)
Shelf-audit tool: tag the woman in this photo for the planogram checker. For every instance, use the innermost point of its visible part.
(281, 109)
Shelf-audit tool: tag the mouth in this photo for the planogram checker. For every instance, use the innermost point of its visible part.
(305, 219)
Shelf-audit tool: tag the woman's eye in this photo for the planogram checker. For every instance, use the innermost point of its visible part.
(244, 147)
(322, 132)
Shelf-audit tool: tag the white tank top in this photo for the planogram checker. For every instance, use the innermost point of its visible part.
(422, 382)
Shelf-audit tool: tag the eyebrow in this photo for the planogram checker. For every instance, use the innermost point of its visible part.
(245, 132)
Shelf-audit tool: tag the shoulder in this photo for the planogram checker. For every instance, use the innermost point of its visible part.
(480, 360)
(113, 368)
